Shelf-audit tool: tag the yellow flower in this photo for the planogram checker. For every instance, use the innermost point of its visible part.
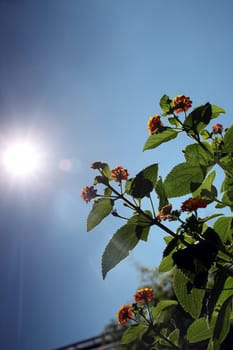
(154, 124)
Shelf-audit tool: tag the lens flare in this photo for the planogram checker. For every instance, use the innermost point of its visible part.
(21, 159)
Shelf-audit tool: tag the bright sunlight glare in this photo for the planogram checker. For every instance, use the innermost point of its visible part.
(21, 159)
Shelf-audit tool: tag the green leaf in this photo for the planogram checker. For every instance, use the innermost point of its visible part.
(224, 228)
(216, 111)
(160, 190)
(171, 246)
(207, 190)
(228, 140)
(174, 336)
(205, 134)
(165, 104)
(223, 321)
(173, 121)
(143, 224)
(198, 118)
(219, 281)
(166, 264)
(144, 182)
(191, 302)
(157, 139)
(106, 171)
(119, 247)
(227, 184)
(162, 305)
(183, 179)
(132, 333)
(195, 154)
(101, 208)
(199, 330)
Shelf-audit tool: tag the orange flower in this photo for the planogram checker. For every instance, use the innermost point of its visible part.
(144, 295)
(125, 314)
(193, 204)
(119, 174)
(88, 193)
(182, 103)
(217, 128)
(154, 124)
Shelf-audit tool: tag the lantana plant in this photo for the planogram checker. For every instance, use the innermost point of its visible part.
(199, 250)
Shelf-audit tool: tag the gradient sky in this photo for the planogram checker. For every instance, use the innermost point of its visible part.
(80, 78)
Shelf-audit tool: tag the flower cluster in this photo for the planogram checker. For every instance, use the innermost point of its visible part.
(144, 295)
(181, 103)
(154, 124)
(119, 174)
(217, 128)
(128, 312)
(88, 193)
(192, 204)
(125, 314)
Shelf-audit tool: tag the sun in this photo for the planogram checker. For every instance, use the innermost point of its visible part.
(21, 159)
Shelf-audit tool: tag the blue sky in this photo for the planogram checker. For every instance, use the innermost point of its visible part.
(80, 78)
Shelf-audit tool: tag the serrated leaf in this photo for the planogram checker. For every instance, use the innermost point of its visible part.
(195, 154)
(101, 208)
(191, 302)
(162, 305)
(183, 179)
(157, 139)
(132, 333)
(199, 330)
(119, 247)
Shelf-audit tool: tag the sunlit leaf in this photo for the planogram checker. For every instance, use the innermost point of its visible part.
(184, 178)
(191, 302)
(195, 154)
(157, 139)
(199, 330)
(101, 208)
(216, 111)
(224, 227)
(119, 247)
